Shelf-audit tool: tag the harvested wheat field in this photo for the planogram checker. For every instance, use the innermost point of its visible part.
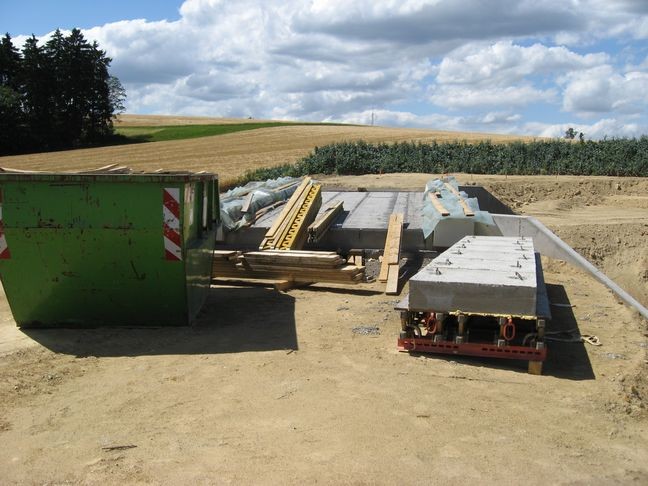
(232, 154)
(275, 388)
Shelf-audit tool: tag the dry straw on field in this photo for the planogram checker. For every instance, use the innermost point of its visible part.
(230, 155)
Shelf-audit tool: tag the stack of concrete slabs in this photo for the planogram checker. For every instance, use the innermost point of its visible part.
(488, 275)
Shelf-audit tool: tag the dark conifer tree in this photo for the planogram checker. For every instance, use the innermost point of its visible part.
(11, 115)
(37, 91)
(57, 95)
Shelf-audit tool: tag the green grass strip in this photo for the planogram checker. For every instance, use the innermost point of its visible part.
(181, 132)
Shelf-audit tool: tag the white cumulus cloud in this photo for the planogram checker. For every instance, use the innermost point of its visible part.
(456, 64)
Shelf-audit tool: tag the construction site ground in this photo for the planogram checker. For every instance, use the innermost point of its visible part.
(277, 388)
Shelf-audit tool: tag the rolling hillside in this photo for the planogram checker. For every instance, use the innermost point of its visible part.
(228, 155)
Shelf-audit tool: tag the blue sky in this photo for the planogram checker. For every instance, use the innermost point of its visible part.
(43, 16)
(500, 66)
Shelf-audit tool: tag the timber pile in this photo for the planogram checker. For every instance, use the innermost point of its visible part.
(286, 265)
(290, 230)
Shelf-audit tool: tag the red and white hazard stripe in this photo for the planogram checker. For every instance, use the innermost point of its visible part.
(4, 248)
(171, 223)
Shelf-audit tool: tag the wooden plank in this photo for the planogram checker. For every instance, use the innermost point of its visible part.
(297, 231)
(287, 235)
(451, 188)
(296, 264)
(289, 270)
(322, 224)
(434, 199)
(535, 367)
(226, 254)
(341, 273)
(287, 254)
(298, 277)
(245, 208)
(240, 268)
(394, 234)
(284, 285)
(267, 209)
(302, 259)
(392, 279)
(295, 252)
(289, 206)
(391, 253)
(285, 186)
(466, 209)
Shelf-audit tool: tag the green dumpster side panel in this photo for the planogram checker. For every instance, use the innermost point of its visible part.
(91, 252)
(199, 237)
(199, 266)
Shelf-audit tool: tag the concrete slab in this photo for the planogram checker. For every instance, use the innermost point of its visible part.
(362, 224)
(450, 231)
(479, 275)
(366, 210)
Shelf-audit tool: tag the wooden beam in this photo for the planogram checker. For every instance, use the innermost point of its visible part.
(290, 205)
(295, 233)
(434, 199)
(294, 266)
(391, 253)
(320, 226)
(466, 209)
(245, 208)
(226, 254)
(392, 279)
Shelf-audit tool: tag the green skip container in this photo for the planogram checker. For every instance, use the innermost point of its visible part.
(105, 249)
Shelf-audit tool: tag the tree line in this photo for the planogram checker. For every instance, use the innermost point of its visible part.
(56, 95)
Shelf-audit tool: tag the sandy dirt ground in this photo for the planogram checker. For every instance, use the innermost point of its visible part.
(284, 392)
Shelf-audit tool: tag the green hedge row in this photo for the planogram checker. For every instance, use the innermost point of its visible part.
(614, 157)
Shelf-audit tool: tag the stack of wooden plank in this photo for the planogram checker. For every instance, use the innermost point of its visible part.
(286, 265)
(290, 230)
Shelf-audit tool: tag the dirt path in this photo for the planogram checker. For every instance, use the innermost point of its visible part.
(289, 394)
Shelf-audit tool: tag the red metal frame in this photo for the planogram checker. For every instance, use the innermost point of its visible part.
(425, 345)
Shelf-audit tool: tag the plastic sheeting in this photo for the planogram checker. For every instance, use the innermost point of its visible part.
(432, 217)
(264, 194)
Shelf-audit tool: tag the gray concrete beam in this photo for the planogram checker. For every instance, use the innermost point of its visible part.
(502, 282)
